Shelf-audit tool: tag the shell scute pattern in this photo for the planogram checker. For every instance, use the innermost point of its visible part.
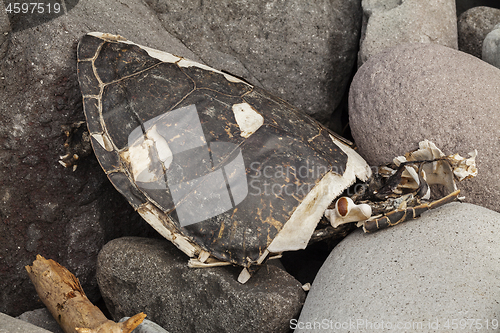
(174, 137)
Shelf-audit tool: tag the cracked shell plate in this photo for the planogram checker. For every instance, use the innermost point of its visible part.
(210, 161)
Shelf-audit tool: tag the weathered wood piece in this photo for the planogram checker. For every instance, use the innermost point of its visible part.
(63, 295)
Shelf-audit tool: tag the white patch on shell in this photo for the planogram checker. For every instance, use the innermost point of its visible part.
(299, 228)
(190, 63)
(140, 160)
(361, 168)
(234, 79)
(165, 56)
(247, 119)
(160, 55)
(163, 150)
(140, 155)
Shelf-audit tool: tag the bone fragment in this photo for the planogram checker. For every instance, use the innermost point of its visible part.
(442, 171)
(346, 211)
(244, 276)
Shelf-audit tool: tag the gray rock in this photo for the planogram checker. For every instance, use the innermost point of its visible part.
(463, 5)
(491, 47)
(387, 23)
(41, 318)
(63, 215)
(147, 326)
(419, 275)
(426, 91)
(152, 276)
(9, 324)
(5, 29)
(473, 26)
(300, 51)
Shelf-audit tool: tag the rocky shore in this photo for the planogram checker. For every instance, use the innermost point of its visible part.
(384, 74)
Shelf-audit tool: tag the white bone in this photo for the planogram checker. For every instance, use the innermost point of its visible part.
(440, 171)
(413, 174)
(464, 168)
(203, 256)
(262, 257)
(277, 256)
(347, 211)
(244, 276)
(195, 263)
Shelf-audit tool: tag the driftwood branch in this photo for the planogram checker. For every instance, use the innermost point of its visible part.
(63, 295)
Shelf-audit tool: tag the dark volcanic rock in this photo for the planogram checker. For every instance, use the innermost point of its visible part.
(473, 26)
(42, 318)
(300, 51)
(149, 275)
(463, 5)
(44, 208)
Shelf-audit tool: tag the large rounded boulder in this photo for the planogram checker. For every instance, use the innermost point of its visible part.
(415, 92)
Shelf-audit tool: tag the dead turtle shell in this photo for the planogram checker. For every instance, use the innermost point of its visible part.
(219, 167)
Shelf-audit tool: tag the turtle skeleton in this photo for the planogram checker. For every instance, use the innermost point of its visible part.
(401, 191)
